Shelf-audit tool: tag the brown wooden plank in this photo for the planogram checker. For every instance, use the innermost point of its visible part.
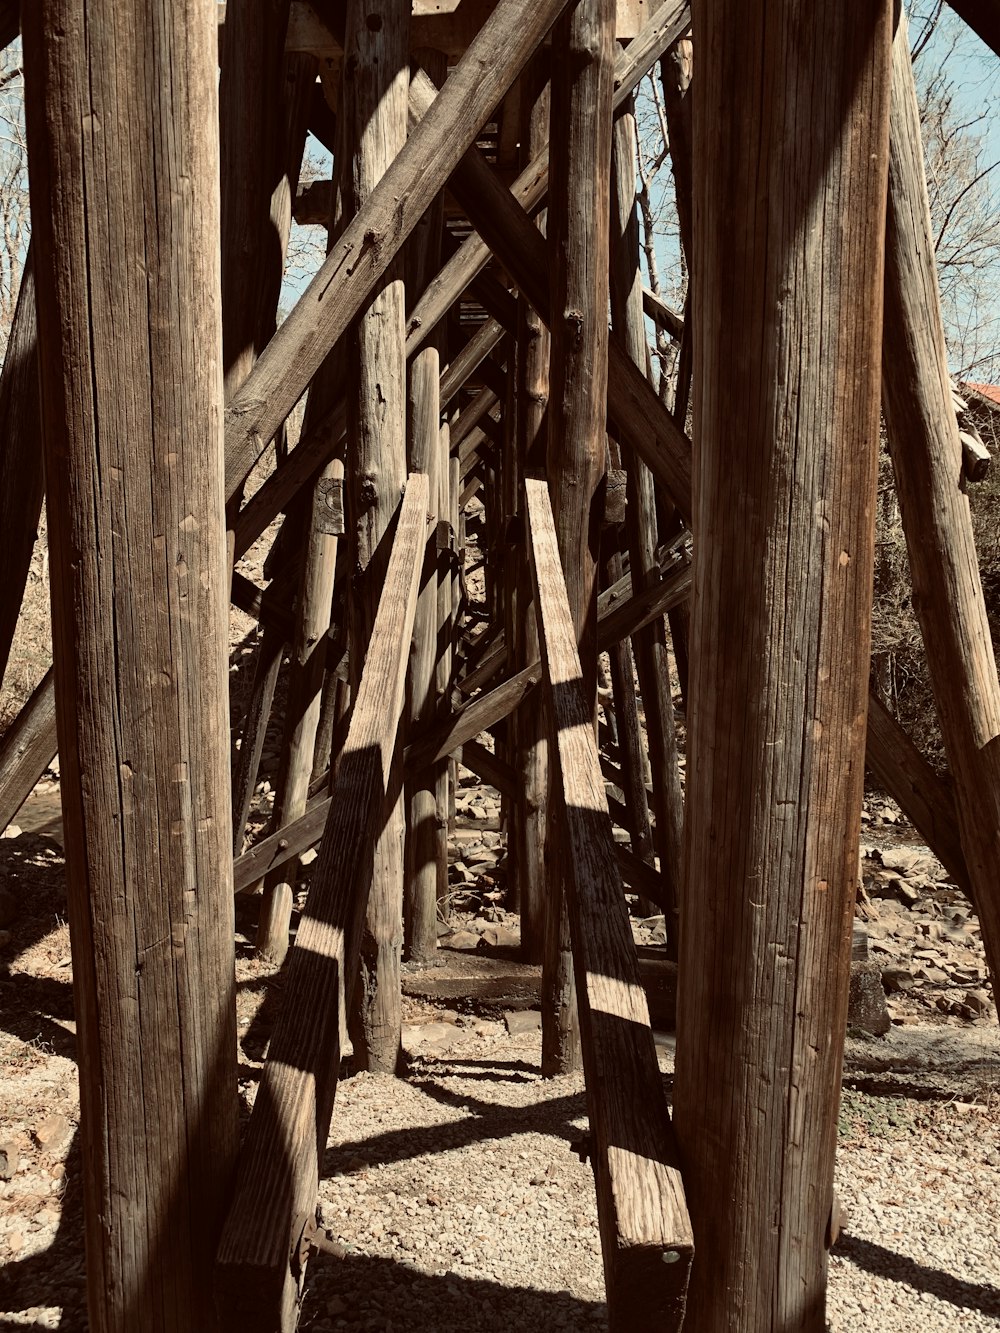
(27, 748)
(258, 1269)
(645, 1230)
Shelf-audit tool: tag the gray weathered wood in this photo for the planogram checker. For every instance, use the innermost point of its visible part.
(122, 118)
(260, 1267)
(27, 748)
(645, 1230)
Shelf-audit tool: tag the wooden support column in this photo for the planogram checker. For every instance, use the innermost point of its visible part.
(580, 146)
(927, 461)
(422, 840)
(443, 787)
(376, 69)
(789, 199)
(122, 118)
(650, 644)
(645, 1230)
(20, 460)
(272, 1217)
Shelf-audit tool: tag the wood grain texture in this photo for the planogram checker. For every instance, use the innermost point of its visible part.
(20, 458)
(122, 117)
(645, 1230)
(373, 112)
(373, 238)
(259, 1269)
(28, 747)
(790, 184)
(927, 462)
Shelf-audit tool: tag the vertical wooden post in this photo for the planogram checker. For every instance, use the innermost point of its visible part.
(650, 643)
(788, 213)
(377, 71)
(443, 669)
(580, 149)
(124, 162)
(20, 460)
(927, 461)
(528, 819)
(422, 837)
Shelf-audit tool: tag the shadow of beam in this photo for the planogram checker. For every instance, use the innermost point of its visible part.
(866, 1254)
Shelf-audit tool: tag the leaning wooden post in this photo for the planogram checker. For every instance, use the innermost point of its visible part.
(377, 71)
(927, 461)
(20, 460)
(794, 169)
(125, 202)
(582, 89)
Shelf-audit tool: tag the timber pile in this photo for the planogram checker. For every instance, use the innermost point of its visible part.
(463, 388)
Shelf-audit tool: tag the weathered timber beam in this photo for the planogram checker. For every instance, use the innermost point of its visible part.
(926, 800)
(640, 416)
(10, 22)
(20, 459)
(668, 23)
(480, 714)
(258, 1267)
(28, 747)
(645, 1229)
(658, 311)
(983, 17)
(927, 461)
(371, 241)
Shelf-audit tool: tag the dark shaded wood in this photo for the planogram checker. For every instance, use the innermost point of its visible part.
(926, 800)
(373, 238)
(126, 224)
(246, 765)
(645, 1230)
(10, 21)
(20, 455)
(791, 166)
(927, 462)
(259, 1265)
(983, 17)
(27, 748)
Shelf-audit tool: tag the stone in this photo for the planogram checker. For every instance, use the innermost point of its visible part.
(12, 831)
(978, 1001)
(499, 937)
(866, 1008)
(895, 979)
(5, 938)
(461, 939)
(8, 1161)
(9, 908)
(53, 1134)
(522, 1020)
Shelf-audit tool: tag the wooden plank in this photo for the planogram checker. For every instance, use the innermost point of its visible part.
(645, 1229)
(260, 1265)
(927, 462)
(983, 17)
(10, 22)
(658, 310)
(121, 104)
(373, 238)
(791, 166)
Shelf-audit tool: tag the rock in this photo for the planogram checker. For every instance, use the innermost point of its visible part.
(866, 1008)
(9, 908)
(895, 979)
(978, 1001)
(461, 939)
(909, 862)
(53, 1134)
(8, 1161)
(12, 831)
(336, 1306)
(522, 1020)
(499, 937)
(5, 938)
